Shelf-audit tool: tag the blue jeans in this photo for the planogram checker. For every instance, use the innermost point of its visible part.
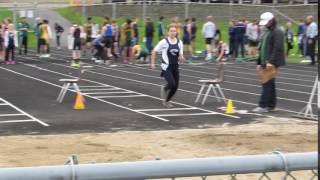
(268, 97)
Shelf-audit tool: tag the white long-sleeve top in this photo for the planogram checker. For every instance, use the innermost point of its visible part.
(6, 38)
(209, 30)
(312, 30)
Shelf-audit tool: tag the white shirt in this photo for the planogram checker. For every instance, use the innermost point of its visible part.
(252, 32)
(6, 38)
(209, 30)
(163, 46)
(312, 30)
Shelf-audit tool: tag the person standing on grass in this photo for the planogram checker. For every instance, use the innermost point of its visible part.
(208, 32)
(149, 33)
(1, 43)
(161, 29)
(115, 37)
(59, 30)
(300, 34)
(312, 35)
(252, 32)
(239, 31)
(187, 36)
(44, 34)
(289, 38)
(135, 26)
(271, 57)
(37, 33)
(127, 40)
(76, 31)
(10, 43)
(193, 36)
(23, 28)
(88, 26)
(171, 49)
(231, 39)
(108, 37)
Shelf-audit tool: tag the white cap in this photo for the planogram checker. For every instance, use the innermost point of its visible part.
(265, 18)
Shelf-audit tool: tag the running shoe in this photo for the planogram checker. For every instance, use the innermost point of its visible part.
(12, 62)
(260, 110)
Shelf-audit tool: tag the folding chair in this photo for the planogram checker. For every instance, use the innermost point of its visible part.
(214, 85)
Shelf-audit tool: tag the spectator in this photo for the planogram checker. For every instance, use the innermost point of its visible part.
(59, 30)
(23, 28)
(239, 31)
(289, 37)
(252, 33)
(311, 34)
(208, 32)
(300, 34)
(161, 28)
(271, 57)
(149, 33)
(231, 39)
(10, 43)
(135, 31)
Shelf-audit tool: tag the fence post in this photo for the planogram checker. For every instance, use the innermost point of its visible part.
(35, 6)
(114, 9)
(84, 11)
(306, 2)
(186, 10)
(15, 4)
(144, 10)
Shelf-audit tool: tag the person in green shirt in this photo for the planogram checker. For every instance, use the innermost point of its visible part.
(160, 26)
(23, 28)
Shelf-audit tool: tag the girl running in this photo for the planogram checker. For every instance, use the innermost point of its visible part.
(172, 52)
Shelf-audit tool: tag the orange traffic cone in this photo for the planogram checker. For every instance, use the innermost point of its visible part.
(230, 108)
(79, 105)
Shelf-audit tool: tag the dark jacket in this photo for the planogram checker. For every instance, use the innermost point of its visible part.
(149, 29)
(274, 48)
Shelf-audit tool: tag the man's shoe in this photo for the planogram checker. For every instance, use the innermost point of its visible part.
(260, 110)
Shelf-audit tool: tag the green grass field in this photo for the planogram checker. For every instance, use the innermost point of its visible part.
(73, 16)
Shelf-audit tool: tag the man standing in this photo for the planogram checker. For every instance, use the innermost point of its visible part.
(311, 33)
(240, 31)
(252, 32)
(271, 57)
(208, 32)
(23, 28)
(149, 33)
(161, 29)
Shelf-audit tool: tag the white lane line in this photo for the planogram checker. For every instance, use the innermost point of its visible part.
(253, 79)
(192, 114)
(232, 82)
(254, 72)
(109, 89)
(184, 90)
(93, 86)
(138, 93)
(237, 77)
(186, 82)
(121, 92)
(3, 104)
(17, 121)
(168, 109)
(237, 117)
(7, 115)
(21, 111)
(107, 102)
(129, 96)
(295, 79)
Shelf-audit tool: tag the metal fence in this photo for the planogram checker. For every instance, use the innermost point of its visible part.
(158, 169)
